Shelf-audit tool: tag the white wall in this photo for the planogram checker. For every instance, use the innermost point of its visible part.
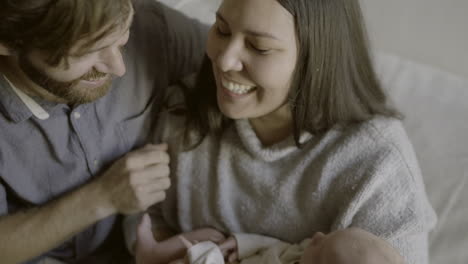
(432, 32)
(429, 31)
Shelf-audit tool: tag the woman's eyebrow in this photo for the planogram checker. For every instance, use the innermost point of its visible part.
(250, 32)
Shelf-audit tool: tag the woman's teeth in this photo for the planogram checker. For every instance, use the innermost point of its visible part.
(236, 87)
(94, 79)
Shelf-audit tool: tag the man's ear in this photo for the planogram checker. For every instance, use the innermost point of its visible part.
(4, 51)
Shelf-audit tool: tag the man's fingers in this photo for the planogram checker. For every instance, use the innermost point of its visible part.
(158, 197)
(150, 175)
(143, 199)
(144, 158)
(155, 197)
(152, 179)
(159, 185)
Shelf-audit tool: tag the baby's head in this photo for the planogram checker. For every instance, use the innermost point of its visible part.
(350, 246)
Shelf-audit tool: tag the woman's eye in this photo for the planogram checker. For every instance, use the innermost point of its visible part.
(260, 50)
(222, 32)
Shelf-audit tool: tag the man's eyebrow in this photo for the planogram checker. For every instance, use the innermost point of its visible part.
(131, 21)
(104, 47)
(250, 32)
(97, 49)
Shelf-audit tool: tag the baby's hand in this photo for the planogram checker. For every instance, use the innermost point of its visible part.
(204, 234)
(229, 249)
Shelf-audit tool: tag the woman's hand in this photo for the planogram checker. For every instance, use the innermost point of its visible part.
(150, 251)
(204, 234)
(146, 245)
(229, 249)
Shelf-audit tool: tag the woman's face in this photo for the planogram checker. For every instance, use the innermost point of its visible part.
(253, 50)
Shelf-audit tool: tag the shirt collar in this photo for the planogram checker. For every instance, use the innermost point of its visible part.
(19, 106)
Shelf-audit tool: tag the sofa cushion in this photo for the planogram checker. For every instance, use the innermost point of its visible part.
(435, 105)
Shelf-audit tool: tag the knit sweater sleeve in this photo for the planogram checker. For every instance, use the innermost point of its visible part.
(386, 196)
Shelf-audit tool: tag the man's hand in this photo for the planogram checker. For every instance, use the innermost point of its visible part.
(131, 185)
(136, 181)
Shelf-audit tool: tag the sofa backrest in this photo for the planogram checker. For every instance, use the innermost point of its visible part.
(435, 104)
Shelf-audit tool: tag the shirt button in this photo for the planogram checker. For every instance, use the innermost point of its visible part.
(77, 115)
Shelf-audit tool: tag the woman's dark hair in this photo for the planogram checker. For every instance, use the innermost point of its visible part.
(334, 82)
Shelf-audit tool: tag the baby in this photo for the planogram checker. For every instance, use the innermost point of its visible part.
(348, 246)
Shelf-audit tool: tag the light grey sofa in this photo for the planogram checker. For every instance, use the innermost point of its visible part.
(435, 104)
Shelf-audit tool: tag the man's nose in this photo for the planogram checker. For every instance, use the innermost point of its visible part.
(112, 62)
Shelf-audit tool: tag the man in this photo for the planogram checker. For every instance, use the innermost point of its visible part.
(80, 86)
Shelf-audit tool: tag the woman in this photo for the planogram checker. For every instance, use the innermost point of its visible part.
(288, 132)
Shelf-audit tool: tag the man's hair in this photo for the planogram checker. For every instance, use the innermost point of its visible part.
(55, 26)
(334, 82)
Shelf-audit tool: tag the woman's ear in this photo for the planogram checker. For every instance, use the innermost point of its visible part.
(4, 51)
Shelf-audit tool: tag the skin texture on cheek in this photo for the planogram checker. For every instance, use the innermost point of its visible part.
(68, 91)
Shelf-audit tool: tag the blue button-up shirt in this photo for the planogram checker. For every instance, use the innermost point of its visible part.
(44, 159)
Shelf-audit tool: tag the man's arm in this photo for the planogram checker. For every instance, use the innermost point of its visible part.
(30, 233)
(132, 184)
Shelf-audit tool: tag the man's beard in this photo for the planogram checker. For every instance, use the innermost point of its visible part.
(68, 91)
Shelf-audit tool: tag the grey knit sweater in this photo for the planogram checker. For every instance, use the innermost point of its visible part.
(364, 176)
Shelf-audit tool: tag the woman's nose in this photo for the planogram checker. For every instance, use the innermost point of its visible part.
(229, 58)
